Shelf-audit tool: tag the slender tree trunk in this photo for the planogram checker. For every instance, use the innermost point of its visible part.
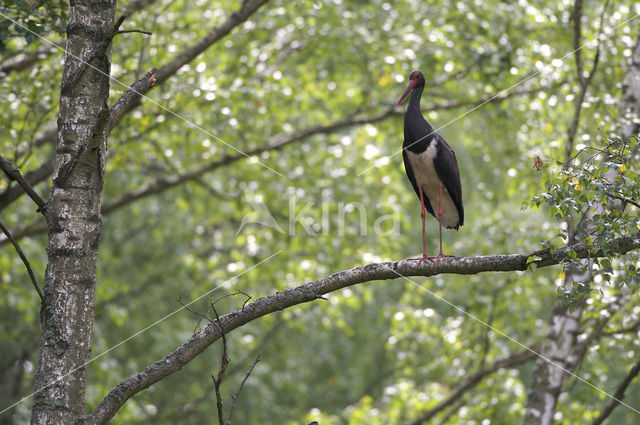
(560, 345)
(630, 99)
(73, 216)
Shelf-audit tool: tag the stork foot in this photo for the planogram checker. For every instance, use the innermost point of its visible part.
(431, 258)
(424, 258)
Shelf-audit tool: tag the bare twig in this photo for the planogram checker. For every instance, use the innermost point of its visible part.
(233, 294)
(117, 24)
(139, 31)
(197, 313)
(234, 397)
(619, 395)
(224, 362)
(24, 260)
(14, 174)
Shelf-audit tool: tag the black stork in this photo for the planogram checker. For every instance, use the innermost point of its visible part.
(431, 165)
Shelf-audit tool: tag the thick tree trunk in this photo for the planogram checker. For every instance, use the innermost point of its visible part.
(73, 216)
(560, 346)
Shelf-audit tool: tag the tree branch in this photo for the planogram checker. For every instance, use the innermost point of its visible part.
(276, 143)
(467, 384)
(247, 9)
(619, 395)
(138, 31)
(131, 98)
(24, 260)
(263, 306)
(26, 60)
(14, 174)
(31, 178)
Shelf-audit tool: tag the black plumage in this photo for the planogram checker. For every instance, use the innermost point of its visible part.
(430, 164)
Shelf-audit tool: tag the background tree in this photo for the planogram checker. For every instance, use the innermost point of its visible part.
(306, 90)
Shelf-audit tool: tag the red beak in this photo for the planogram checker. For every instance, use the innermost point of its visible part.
(410, 87)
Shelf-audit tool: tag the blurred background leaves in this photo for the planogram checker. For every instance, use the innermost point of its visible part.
(382, 352)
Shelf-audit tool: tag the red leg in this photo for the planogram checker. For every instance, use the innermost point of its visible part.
(423, 214)
(440, 219)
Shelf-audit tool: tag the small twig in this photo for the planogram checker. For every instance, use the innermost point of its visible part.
(117, 24)
(224, 362)
(234, 397)
(24, 260)
(197, 313)
(619, 395)
(140, 31)
(14, 174)
(232, 295)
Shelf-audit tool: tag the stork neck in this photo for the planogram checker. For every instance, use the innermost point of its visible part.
(417, 131)
(414, 102)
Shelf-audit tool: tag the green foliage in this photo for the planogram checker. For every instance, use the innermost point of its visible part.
(382, 352)
(596, 194)
(27, 19)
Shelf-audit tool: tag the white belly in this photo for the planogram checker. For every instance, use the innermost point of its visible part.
(427, 178)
